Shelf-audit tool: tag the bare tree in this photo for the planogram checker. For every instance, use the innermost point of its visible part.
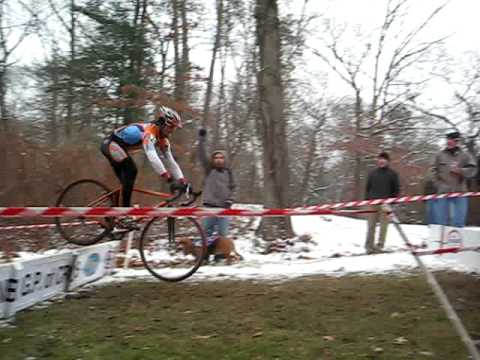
(180, 28)
(272, 119)
(463, 112)
(380, 75)
(216, 46)
(11, 36)
(69, 25)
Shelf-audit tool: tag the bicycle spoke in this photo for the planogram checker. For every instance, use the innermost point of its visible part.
(85, 231)
(170, 256)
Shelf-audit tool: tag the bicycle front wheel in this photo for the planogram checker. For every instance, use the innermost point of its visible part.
(82, 230)
(172, 249)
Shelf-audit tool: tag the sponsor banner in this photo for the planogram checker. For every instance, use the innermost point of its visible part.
(37, 280)
(6, 273)
(92, 263)
(448, 236)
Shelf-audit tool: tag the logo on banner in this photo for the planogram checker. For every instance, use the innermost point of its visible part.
(92, 264)
(454, 238)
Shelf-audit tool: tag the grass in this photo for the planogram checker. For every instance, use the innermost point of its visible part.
(375, 317)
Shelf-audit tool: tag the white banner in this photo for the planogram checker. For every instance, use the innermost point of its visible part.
(38, 280)
(92, 263)
(6, 273)
(448, 236)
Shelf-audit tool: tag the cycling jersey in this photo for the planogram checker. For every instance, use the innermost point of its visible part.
(133, 137)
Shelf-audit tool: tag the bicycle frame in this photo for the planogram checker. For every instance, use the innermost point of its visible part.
(116, 194)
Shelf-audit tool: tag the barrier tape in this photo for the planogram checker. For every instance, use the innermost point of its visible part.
(446, 250)
(79, 223)
(150, 212)
(200, 211)
(44, 226)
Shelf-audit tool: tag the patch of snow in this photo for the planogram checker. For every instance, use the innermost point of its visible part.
(336, 248)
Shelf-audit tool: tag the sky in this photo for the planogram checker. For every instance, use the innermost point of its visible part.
(457, 21)
(459, 18)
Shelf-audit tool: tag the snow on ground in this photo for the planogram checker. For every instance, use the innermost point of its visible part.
(332, 236)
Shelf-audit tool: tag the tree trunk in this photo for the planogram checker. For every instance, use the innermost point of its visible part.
(358, 167)
(136, 59)
(3, 68)
(272, 119)
(185, 52)
(71, 81)
(53, 110)
(221, 113)
(181, 58)
(3, 95)
(176, 52)
(216, 45)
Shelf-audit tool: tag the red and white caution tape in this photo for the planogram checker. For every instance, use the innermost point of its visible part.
(447, 250)
(198, 211)
(397, 200)
(149, 212)
(45, 226)
(82, 223)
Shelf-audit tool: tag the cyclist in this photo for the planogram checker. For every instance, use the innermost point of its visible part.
(151, 136)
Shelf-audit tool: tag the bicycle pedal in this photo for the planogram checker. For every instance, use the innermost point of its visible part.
(120, 231)
(116, 237)
(128, 225)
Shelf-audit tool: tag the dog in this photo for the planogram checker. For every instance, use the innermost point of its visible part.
(221, 246)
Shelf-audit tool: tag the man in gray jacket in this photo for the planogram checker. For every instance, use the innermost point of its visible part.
(219, 186)
(451, 169)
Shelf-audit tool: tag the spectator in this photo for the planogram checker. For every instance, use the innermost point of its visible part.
(219, 187)
(382, 183)
(478, 174)
(429, 189)
(451, 169)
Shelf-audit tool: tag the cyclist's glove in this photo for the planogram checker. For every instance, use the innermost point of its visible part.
(179, 186)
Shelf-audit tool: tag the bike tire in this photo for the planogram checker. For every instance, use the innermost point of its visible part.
(162, 247)
(83, 193)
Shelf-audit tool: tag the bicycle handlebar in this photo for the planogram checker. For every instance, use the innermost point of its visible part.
(194, 195)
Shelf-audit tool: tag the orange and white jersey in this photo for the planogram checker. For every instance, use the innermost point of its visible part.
(156, 147)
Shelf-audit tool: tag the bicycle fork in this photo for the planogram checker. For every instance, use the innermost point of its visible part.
(171, 232)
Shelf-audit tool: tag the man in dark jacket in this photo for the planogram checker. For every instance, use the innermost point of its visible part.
(219, 186)
(382, 183)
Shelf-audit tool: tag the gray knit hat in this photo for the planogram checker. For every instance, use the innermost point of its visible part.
(215, 152)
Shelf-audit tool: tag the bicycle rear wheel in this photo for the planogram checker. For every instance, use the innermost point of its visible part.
(82, 230)
(172, 249)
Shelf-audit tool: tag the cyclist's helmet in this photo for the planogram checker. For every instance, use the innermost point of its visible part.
(168, 117)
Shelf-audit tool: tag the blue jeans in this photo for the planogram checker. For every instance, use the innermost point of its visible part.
(450, 212)
(210, 224)
(429, 217)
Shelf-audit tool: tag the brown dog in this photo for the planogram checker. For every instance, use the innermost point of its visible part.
(221, 246)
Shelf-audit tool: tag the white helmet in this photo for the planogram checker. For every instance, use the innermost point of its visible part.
(168, 117)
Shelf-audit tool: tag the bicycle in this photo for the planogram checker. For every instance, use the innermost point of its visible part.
(161, 244)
